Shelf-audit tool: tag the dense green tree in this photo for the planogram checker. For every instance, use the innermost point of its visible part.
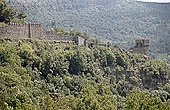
(155, 72)
(99, 98)
(78, 78)
(140, 100)
(21, 15)
(7, 12)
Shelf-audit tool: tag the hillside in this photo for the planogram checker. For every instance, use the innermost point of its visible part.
(118, 21)
(62, 74)
(40, 75)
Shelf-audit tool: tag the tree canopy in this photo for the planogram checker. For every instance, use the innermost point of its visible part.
(42, 75)
(8, 13)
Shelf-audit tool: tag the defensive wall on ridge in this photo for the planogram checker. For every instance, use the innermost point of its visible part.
(141, 47)
(16, 31)
(24, 31)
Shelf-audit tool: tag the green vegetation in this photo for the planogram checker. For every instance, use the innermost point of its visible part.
(62, 31)
(10, 14)
(144, 101)
(117, 21)
(7, 13)
(40, 75)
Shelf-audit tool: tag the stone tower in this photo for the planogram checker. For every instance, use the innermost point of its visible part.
(141, 47)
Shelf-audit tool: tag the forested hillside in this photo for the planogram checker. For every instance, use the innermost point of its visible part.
(42, 75)
(39, 75)
(119, 21)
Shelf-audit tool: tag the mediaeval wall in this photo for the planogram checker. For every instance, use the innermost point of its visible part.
(141, 50)
(80, 41)
(24, 31)
(55, 36)
(15, 31)
(36, 31)
(141, 47)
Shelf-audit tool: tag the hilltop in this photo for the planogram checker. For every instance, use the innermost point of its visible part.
(118, 21)
(60, 70)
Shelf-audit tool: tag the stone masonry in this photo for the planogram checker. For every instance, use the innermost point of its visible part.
(26, 31)
(141, 47)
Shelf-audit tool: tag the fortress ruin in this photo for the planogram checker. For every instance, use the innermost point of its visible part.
(28, 30)
(141, 47)
(25, 31)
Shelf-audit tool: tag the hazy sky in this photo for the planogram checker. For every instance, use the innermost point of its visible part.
(161, 1)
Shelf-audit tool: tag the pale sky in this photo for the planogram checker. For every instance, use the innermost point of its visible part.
(159, 1)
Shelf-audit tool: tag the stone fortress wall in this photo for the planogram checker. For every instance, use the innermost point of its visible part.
(141, 47)
(25, 31)
(16, 31)
(36, 31)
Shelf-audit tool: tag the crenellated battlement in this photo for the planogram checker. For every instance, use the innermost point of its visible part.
(142, 43)
(32, 30)
(141, 46)
(17, 24)
(36, 25)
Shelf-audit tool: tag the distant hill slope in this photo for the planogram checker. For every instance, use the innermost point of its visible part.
(119, 21)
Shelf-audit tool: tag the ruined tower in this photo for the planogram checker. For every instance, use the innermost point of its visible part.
(141, 47)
